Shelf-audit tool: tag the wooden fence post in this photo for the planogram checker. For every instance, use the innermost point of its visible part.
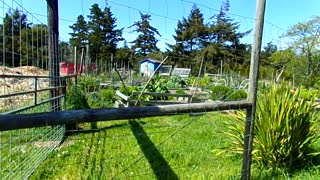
(253, 87)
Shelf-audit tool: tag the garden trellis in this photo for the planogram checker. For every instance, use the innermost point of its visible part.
(45, 127)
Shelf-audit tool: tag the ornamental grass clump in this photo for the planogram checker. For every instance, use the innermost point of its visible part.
(284, 130)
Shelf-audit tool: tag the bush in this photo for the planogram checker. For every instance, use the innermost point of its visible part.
(129, 90)
(88, 84)
(180, 91)
(177, 81)
(238, 95)
(309, 94)
(102, 99)
(220, 92)
(204, 81)
(76, 98)
(285, 129)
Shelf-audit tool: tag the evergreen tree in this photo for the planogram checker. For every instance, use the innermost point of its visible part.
(103, 37)
(224, 33)
(113, 36)
(34, 46)
(79, 36)
(13, 24)
(266, 53)
(146, 41)
(189, 36)
(123, 55)
(65, 52)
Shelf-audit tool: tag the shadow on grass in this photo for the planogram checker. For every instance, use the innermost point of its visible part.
(157, 162)
(89, 131)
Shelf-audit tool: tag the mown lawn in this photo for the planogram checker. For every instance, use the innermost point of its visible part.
(171, 147)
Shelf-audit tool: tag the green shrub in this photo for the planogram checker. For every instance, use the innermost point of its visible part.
(285, 129)
(204, 81)
(180, 91)
(76, 98)
(157, 84)
(129, 89)
(107, 94)
(238, 95)
(102, 99)
(220, 92)
(88, 84)
(309, 94)
(177, 81)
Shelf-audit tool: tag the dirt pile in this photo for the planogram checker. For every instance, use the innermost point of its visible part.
(23, 70)
(9, 85)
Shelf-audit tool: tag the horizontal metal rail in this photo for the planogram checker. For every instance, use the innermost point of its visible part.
(20, 121)
(17, 94)
(33, 76)
(50, 88)
(29, 92)
(32, 106)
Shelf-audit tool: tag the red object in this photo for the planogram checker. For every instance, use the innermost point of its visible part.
(67, 68)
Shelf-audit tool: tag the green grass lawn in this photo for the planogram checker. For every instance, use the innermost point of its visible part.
(171, 147)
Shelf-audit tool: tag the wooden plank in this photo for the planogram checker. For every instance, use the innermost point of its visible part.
(159, 102)
(20, 121)
(135, 93)
(126, 98)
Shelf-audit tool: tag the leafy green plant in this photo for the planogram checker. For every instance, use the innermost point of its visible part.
(220, 92)
(76, 98)
(204, 81)
(158, 85)
(238, 95)
(102, 99)
(180, 91)
(88, 84)
(128, 90)
(177, 81)
(285, 129)
(309, 94)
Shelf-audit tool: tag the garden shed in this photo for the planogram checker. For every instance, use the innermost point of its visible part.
(148, 66)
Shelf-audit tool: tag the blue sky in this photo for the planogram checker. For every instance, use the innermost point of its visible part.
(280, 15)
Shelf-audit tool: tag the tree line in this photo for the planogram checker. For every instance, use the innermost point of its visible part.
(215, 41)
(218, 42)
(22, 43)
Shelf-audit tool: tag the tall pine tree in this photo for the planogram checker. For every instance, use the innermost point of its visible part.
(103, 37)
(189, 36)
(79, 36)
(224, 33)
(146, 41)
(13, 24)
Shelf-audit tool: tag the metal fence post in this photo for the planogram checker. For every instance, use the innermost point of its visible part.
(35, 91)
(53, 32)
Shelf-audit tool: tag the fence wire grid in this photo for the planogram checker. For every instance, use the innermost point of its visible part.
(27, 86)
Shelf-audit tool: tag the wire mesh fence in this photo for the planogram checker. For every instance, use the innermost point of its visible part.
(26, 87)
(23, 150)
(144, 148)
